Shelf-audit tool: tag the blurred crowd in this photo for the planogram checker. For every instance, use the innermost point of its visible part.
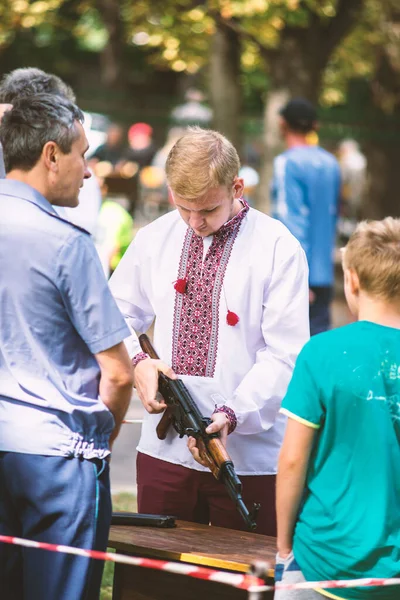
(129, 189)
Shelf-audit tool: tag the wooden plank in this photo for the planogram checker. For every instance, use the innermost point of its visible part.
(213, 547)
(136, 583)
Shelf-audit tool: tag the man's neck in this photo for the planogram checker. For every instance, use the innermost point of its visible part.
(236, 208)
(29, 178)
(378, 311)
(293, 139)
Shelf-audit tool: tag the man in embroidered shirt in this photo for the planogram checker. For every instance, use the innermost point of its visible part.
(227, 287)
(61, 345)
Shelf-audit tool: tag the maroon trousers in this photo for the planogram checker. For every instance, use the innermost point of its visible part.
(190, 495)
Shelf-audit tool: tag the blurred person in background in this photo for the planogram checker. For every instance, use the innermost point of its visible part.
(305, 194)
(353, 167)
(141, 148)
(65, 375)
(114, 231)
(22, 83)
(193, 111)
(113, 149)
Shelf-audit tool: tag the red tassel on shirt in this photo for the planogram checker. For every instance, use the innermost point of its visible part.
(180, 285)
(231, 318)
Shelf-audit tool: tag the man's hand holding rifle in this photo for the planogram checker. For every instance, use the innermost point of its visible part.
(207, 436)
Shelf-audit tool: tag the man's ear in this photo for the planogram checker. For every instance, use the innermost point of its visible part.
(51, 155)
(238, 187)
(4, 108)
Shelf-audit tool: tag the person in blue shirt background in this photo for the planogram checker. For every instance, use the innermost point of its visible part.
(65, 375)
(305, 194)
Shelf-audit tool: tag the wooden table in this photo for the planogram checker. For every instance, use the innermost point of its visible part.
(213, 547)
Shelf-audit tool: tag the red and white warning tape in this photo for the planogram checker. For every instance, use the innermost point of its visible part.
(236, 580)
(245, 582)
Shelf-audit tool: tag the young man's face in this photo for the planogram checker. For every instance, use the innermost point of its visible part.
(207, 214)
(72, 170)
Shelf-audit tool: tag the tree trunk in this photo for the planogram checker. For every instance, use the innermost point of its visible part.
(290, 75)
(225, 88)
(296, 68)
(111, 56)
(383, 154)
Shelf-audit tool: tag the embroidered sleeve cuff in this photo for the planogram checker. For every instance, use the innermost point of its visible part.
(138, 357)
(230, 414)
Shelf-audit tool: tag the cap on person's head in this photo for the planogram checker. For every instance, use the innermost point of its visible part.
(299, 114)
(139, 129)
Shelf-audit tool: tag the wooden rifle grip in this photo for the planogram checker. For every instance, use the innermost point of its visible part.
(147, 346)
(164, 424)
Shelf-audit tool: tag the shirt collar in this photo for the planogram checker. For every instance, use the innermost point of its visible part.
(18, 189)
(231, 224)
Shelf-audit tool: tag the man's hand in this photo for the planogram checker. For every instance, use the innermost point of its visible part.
(145, 378)
(4, 108)
(220, 423)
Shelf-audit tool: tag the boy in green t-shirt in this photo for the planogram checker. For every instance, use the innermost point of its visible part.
(338, 486)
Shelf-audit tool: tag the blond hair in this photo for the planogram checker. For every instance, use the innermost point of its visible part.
(373, 252)
(200, 160)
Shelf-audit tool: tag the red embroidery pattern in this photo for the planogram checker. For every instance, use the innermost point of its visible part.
(196, 315)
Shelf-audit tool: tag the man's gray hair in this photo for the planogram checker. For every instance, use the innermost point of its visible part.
(31, 123)
(30, 81)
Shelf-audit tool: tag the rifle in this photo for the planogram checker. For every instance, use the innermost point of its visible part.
(183, 414)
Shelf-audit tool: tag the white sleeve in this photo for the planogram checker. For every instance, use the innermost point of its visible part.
(127, 285)
(285, 326)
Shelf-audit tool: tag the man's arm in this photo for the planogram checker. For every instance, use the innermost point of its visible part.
(292, 471)
(116, 382)
(128, 287)
(285, 327)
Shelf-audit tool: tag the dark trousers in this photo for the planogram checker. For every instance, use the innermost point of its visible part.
(320, 309)
(56, 500)
(190, 495)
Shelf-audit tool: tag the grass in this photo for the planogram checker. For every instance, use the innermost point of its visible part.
(121, 502)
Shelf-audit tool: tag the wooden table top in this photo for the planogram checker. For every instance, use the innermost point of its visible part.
(213, 547)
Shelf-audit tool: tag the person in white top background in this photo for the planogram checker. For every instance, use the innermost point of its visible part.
(227, 287)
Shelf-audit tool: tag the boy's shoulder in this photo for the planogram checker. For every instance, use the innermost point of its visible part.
(332, 341)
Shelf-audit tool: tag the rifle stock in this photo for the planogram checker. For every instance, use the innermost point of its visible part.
(183, 414)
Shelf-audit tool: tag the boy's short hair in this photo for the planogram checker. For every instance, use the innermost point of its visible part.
(200, 160)
(373, 252)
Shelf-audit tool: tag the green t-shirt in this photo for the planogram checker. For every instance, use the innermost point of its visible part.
(346, 384)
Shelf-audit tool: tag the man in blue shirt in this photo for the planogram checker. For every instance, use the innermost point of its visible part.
(305, 193)
(65, 376)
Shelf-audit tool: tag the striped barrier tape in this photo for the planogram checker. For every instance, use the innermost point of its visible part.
(243, 582)
(250, 583)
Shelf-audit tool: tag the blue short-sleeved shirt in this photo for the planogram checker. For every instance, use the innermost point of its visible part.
(56, 312)
(305, 193)
(346, 385)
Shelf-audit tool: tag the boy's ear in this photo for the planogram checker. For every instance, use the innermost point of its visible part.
(353, 281)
